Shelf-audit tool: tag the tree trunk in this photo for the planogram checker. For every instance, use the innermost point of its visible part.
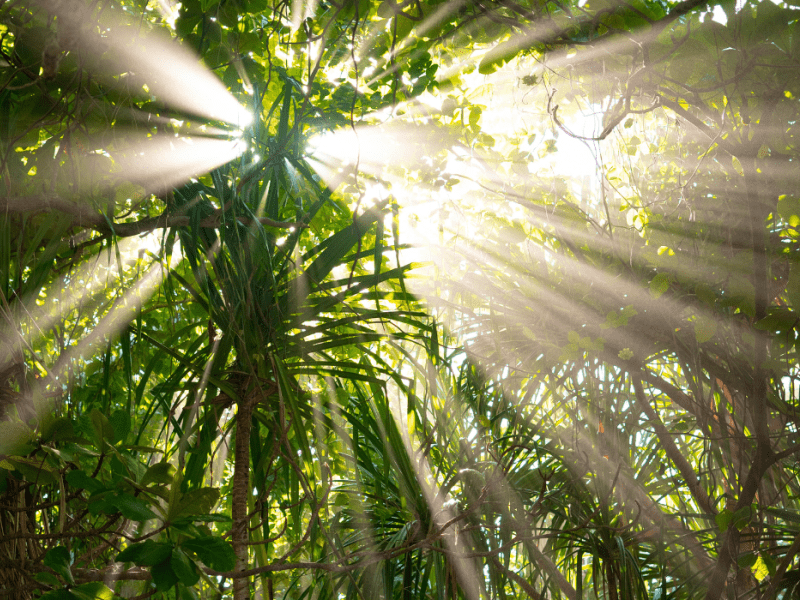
(241, 485)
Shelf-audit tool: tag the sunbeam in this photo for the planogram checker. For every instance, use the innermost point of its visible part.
(579, 181)
(159, 162)
(112, 45)
(78, 288)
(378, 299)
(118, 316)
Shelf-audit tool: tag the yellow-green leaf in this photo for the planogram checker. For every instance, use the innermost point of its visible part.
(737, 166)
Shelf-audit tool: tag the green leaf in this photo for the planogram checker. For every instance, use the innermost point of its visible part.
(737, 166)
(742, 517)
(59, 559)
(57, 429)
(184, 568)
(159, 473)
(769, 562)
(723, 519)
(387, 9)
(59, 594)
(705, 294)
(788, 207)
(34, 470)
(334, 248)
(93, 590)
(146, 554)
(81, 480)
(778, 320)
(102, 503)
(625, 354)
(102, 428)
(128, 191)
(15, 438)
(163, 576)
(704, 329)
(214, 552)
(194, 502)
(185, 593)
(47, 579)
(120, 421)
(747, 560)
(132, 508)
(660, 284)
(499, 55)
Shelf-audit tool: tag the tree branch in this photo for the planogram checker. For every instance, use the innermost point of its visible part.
(672, 450)
(785, 563)
(86, 216)
(132, 574)
(526, 587)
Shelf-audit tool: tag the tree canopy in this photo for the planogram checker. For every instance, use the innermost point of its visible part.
(480, 299)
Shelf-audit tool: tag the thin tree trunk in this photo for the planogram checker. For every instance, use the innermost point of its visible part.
(764, 456)
(241, 485)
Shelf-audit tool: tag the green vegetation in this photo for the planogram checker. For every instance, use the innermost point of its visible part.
(424, 299)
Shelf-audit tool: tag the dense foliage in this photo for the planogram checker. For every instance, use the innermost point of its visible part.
(357, 299)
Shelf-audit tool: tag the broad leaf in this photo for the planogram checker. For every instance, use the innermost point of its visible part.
(146, 554)
(59, 559)
(212, 551)
(184, 568)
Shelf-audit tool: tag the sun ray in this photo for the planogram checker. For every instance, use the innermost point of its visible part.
(161, 161)
(112, 44)
(119, 315)
(444, 517)
(77, 288)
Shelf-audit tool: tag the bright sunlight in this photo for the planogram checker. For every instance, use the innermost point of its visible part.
(387, 300)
